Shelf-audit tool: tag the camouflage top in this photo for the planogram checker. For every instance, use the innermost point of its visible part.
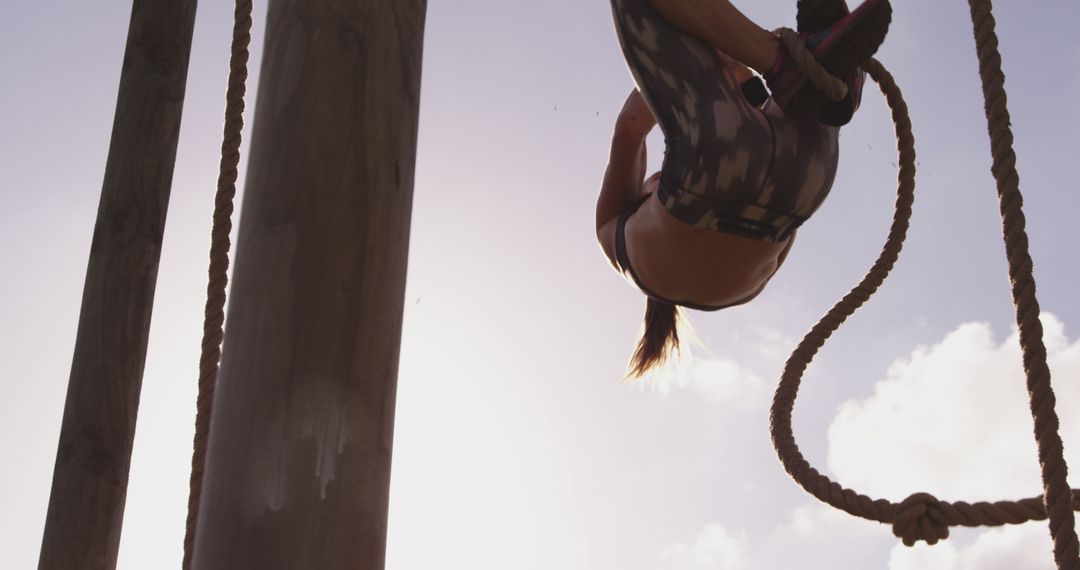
(728, 166)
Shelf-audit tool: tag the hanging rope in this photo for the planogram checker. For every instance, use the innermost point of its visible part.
(922, 516)
(919, 517)
(1051, 455)
(219, 261)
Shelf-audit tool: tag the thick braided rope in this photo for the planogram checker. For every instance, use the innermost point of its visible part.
(784, 399)
(1051, 454)
(921, 516)
(214, 319)
(825, 82)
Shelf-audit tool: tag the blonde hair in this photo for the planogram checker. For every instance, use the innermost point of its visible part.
(659, 338)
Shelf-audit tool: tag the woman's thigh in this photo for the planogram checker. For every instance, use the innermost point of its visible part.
(728, 166)
(715, 139)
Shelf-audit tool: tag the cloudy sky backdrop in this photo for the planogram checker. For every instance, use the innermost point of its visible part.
(518, 444)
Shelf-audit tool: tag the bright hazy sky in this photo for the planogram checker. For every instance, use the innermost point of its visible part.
(518, 445)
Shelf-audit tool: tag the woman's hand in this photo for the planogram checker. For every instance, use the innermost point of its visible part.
(636, 120)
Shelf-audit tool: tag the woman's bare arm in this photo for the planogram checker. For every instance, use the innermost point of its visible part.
(627, 161)
(625, 172)
(623, 178)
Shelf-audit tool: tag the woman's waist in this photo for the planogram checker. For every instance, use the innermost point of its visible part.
(668, 233)
(707, 269)
(754, 219)
(703, 282)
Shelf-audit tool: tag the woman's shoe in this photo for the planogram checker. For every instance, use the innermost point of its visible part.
(812, 16)
(841, 48)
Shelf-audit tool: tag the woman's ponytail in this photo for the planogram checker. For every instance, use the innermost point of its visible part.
(659, 340)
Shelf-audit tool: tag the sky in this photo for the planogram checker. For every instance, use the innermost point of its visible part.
(518, 443)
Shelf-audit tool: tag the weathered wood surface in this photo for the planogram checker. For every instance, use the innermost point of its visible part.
(298, 466)
(86, 506)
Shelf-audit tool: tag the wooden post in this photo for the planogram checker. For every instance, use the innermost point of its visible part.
(298, 465)
(86, 507)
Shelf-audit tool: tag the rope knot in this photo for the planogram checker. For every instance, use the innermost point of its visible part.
(833, 87)
(920, 517)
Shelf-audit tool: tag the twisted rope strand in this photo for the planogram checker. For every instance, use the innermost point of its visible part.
(213, 324)
(784, 400)
(1057, 494)
(922, 516)
(833, 88)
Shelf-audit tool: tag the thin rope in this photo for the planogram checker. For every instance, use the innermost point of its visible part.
(922, 516)
(213, 324)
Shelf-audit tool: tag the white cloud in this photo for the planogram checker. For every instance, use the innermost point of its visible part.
(942, 556)
(953, 419)
(739, 381)
(819, 536)
(721, 380)
(1027, 547)
(725, 380)
(772, 345)
(714, 549)
(819, 523)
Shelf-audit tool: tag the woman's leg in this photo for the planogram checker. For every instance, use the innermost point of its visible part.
(683, 80)
(841, 47)
(721, 24)
(715, 139)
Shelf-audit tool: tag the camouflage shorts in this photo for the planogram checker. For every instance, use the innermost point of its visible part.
(728, 166)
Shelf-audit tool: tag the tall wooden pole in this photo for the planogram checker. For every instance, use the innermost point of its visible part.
(86, 507)
(298, 465)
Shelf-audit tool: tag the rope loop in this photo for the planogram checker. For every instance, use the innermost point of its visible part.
(920, 517)
(831, 86)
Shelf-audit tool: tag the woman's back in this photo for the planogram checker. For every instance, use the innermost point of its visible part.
(683, 263)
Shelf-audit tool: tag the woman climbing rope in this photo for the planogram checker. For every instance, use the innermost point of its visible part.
(743, 167)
